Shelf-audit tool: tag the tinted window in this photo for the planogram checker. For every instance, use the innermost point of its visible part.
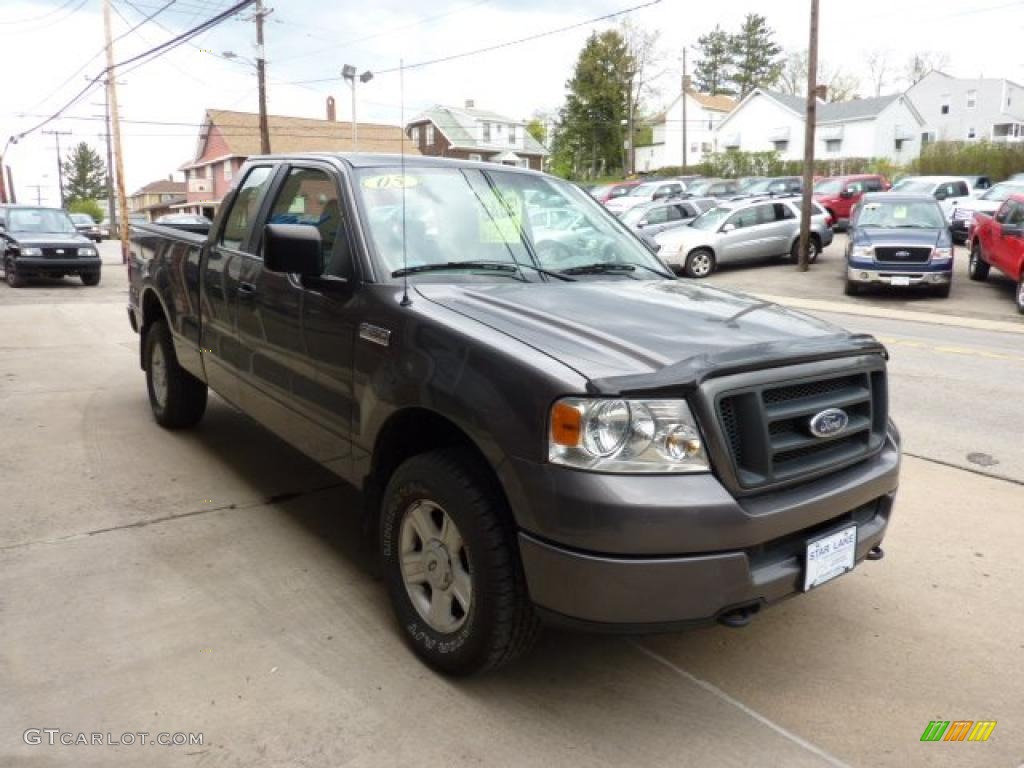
(959, 189)
(781, 212)
(309, 197)
(1016, 218)
(1004, 212)
(872, 185)
(244, 207)
(658, 215)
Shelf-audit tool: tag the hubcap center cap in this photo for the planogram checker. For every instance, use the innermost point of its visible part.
(438, 564)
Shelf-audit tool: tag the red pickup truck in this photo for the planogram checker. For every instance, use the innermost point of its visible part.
(839, 195)
(998, 241)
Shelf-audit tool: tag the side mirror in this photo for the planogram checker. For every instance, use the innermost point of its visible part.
(293, 249)
(941, 195)
(642, 223)
(728, 227)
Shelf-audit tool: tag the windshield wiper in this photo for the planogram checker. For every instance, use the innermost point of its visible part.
(490, 266)
(606, 267)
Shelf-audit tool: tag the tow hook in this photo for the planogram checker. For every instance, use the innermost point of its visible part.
(739, 617)
(875, 553)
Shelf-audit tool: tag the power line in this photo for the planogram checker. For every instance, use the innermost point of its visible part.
(508, 44)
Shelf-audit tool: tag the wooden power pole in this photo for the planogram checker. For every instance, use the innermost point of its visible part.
(261, 76)
(115, 129)
(60, 169)
(812, 113)
(682, 103)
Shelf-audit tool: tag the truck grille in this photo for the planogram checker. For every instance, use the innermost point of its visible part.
(766, 428)
(902, 255)
(65, 253)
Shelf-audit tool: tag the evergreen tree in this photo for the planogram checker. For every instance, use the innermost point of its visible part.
(756, 55)
(714, 68)
(85, 174)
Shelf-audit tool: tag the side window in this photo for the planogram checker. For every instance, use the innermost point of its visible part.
(960, 189)
(1016, 215)
(657, 215)
(244, 207)
(746, 218)
(308, 196)
(781, 212)
(675, 212)
(873, 185)
(1004, 213)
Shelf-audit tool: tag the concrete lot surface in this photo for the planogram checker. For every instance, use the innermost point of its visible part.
(213, 581)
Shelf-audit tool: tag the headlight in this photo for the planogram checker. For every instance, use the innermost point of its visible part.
(31, 251)
(863, 252)
(87, 252)
(942, 254)
(606, 435)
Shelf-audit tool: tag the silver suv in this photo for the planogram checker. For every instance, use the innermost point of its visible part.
(739, 231)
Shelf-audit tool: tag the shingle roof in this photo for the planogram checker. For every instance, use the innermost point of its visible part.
(716, 102)
(240, 131)
(836, 111)
(458, 126)
(161, 187)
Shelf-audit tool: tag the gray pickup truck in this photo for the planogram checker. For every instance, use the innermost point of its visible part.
(545, 428)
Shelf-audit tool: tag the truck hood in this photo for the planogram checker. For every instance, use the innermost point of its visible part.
(984, 206)
(56, 239)
(910, 237)
(626, 335)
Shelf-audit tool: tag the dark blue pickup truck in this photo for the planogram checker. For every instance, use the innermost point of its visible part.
(545, 426)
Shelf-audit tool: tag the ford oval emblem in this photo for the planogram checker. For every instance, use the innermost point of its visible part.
(829, 422)
(902, 254)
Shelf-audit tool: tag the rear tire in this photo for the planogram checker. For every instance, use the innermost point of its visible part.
(814, 250)
(90, 278)
(14, 280)
(977, 268)
(699, 263)
(176, 397)
(451, 565)
(1020, 293)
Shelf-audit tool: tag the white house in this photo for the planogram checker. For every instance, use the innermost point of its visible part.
(966, 109)
(765, 120)
(703, 114)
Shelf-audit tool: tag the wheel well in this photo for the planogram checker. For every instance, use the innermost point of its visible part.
(409, 433)
(152, 311)
(705, 248)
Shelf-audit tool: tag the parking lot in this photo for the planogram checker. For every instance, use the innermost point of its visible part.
(214, 581)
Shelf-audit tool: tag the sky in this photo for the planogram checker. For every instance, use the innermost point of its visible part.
(55, 45)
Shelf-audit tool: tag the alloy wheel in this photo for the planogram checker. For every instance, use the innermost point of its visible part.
(158, 374)
(435, 566)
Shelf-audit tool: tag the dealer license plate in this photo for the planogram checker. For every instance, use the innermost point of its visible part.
(830, 556)
(900, 281)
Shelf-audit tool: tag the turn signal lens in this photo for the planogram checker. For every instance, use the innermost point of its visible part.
(566, 423)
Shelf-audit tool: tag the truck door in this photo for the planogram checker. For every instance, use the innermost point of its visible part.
(223, 354)
(992, 240)
(1007, 252)
(300, 380)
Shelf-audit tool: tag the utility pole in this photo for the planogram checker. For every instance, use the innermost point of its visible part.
(812, 113)
(60, 170)
(110, 159)
(261, 76)
(682, 101)
(39, 192)
(632, 153)
(115, 124)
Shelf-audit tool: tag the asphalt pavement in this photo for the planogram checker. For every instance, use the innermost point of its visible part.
(213, 582)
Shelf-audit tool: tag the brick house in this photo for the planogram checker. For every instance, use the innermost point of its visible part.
(227, 139)
(157, 198)
(475, 134)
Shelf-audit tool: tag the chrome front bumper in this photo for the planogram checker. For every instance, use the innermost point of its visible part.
(885, 276)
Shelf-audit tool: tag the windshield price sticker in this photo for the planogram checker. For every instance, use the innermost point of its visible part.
(390, 181)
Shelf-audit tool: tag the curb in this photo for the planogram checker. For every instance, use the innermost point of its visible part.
(844, 308)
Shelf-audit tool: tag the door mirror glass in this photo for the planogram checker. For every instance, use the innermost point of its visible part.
(730, 227)
(293, 249)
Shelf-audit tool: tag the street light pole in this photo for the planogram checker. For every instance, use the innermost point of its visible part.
(348, 74)
(261, 76)
(115, 122)
(60, 171)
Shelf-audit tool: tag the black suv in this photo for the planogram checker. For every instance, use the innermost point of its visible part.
(43, 242)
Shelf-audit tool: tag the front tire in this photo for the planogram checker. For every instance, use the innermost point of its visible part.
(977, 268)
(451, 565)
(176, 397)
(942, 291)
(813, 251)
(699, 263)
(14, 280)
(90, 278)
(852, 288)
(1020, 293)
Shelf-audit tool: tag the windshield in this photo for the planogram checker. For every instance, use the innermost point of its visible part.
(745, 184)
(829, 187)
(699, 187)
(922, 214)
(1001, 192)
(712, 219)
(914, 187)
(645, 190)
(39, 220)
(82, 218)
(465, 214)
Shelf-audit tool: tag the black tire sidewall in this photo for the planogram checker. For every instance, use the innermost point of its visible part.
(466, 650)
(157, 334)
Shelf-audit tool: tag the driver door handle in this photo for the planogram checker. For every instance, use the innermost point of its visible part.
(246, 291)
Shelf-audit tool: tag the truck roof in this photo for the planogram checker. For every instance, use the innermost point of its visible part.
(897, 197)
(392, 160)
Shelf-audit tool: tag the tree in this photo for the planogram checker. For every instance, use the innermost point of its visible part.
(536, 129)
(589, 133)
(756, 55)
(90, 207)
(85, 175)
(841, 86)
(923, 63)
(878, 69)
(714, 68)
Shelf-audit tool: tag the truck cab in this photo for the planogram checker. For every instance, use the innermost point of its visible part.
(840, 194)
(998, 241)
